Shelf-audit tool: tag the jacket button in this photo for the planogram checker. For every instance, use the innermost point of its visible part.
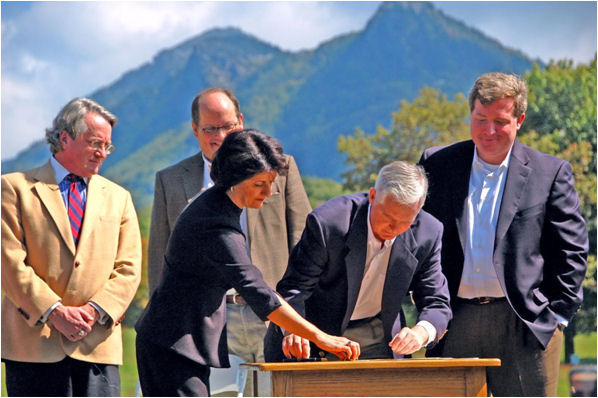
(77, 263)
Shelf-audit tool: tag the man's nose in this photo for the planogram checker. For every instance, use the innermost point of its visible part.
(491, 129)
(101, 152)
(268, 189)
(222, 133)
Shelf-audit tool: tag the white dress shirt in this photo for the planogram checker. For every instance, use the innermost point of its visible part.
(207, 180)
(369, 299)
(486, 187)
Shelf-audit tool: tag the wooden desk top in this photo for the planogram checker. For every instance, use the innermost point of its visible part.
(374, 364)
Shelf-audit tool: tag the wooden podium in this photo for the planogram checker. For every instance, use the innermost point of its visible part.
(376, 377)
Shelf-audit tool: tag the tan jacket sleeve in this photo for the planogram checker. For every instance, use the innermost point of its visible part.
(20, 282)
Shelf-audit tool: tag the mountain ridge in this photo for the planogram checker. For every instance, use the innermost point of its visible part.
(305, 98)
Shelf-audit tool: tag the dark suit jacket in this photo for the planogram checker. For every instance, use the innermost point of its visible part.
(206, 256)
(541, 242)
(326, 268)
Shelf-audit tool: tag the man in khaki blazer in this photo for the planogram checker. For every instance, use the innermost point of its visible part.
(272, 230)
(63, 301)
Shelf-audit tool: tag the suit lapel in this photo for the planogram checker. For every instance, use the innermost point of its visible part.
(193, 177)
(460, 181)
(49, 193)
(401, 266)
(517, 176)
(356, 245)
(96, 194)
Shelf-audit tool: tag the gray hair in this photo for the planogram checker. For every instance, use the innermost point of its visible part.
(406, 182)
(71, 119)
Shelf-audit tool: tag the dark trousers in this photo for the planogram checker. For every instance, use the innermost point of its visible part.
(164, 373)
(494, 331)
(66, 378)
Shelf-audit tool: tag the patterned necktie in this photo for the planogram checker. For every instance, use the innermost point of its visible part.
(76, 206)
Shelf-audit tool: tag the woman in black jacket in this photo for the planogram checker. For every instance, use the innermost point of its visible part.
(182, 332)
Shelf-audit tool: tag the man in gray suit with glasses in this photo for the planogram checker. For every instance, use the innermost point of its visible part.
(272, 230)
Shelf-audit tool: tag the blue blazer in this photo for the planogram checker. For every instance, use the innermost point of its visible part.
(541, 241)
(326, 267)
(206, 255)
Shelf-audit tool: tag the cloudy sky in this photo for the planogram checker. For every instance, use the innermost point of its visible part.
(54, 51)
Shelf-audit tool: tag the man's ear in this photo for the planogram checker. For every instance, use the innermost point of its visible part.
(372, 195)
(195, 129)
(64, 137)
(520, 120)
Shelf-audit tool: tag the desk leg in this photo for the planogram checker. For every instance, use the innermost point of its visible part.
(254, 379)
(262, 383)
(475, 382)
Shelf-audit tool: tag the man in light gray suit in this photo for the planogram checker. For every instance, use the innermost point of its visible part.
(272, 230)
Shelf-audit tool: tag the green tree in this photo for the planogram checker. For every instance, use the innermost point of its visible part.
(431, 119)
(563, 97)
(319, 190)
(561, 121)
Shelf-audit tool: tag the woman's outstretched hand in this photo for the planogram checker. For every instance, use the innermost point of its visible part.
(290, 321)
(342, 347)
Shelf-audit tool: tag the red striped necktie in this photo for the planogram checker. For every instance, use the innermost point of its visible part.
(76, 206)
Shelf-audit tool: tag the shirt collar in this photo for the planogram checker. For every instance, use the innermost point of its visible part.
(478, 162)
(206, 161)
(60, 172)
(372, 240)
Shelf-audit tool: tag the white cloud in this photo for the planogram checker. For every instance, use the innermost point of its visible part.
(297, 28)
(26, 124)
(9, 29)
(32, 65)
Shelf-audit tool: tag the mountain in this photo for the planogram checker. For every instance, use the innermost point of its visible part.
(306, 99)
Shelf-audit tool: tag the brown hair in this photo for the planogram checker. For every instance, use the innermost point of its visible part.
(493, 86)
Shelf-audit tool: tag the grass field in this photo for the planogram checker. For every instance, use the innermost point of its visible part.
(128, 372)
(585, 348)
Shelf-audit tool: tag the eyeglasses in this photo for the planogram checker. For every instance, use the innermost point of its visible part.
(216, 129)
(99, 145)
